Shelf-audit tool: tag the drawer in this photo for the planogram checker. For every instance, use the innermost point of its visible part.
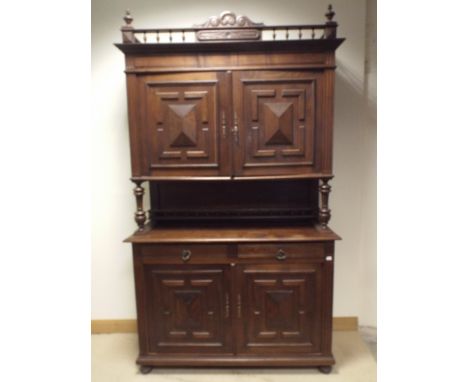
(182, 253)
(281, 251)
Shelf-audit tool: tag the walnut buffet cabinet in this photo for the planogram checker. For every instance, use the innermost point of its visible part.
(231, 130)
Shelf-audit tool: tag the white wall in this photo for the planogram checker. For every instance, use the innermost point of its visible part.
(353, 199)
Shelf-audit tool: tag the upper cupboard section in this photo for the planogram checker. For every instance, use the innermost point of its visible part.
(230, 98)
(244, 123)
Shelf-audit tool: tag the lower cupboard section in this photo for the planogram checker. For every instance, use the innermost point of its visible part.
(253, 312)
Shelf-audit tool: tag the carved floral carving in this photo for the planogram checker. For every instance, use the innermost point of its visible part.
(228, 19)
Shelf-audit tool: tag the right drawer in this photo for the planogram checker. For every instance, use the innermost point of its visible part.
(280, 251)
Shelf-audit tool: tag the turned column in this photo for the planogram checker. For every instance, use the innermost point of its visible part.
(324, 211)
(140, 215)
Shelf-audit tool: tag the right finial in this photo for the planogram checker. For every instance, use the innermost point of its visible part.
(330, 14)
(128, 17)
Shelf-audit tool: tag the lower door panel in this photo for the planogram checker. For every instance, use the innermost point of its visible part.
(186, 309)
(281, 308)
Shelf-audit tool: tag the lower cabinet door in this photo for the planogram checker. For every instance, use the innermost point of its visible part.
(281, 308)
(187, 309)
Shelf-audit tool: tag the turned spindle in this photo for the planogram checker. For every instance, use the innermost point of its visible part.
(324, 211)
(140, 215)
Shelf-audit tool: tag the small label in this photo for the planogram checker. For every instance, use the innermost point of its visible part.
(329, 258)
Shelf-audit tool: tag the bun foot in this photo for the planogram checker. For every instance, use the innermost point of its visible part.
(145, 369)
(325, 369)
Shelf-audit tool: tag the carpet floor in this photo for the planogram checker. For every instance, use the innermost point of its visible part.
(113, 360)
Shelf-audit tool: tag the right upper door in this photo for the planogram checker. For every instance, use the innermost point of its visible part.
(278, 122)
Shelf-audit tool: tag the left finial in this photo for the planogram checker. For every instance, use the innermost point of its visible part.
(128, 17)
(330, 14)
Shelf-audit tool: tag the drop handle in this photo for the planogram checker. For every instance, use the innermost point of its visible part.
(223, 124)
(235, 129)
(239, 306)
(227, 307)
(186, 254)
(280, 255)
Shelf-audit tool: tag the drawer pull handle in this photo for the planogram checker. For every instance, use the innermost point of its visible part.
(227, 307)
(235, 129)
(281, 255)
(186, 254)
(223, 123)
(239, 306)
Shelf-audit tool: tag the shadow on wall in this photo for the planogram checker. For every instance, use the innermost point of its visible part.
(349, 110)
(354, 199)
(358, 87)
(355, 113)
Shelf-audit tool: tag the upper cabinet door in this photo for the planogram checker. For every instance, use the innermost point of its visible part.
(181, 125)
(278, 122)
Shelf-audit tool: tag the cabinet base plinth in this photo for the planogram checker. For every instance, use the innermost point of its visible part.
(322, 362)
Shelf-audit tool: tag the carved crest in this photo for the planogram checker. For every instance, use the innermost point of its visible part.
(224, 27)
(228, 19)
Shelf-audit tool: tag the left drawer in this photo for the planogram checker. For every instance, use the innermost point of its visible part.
(182, 253)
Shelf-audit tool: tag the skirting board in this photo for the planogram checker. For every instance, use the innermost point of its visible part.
(130, 326)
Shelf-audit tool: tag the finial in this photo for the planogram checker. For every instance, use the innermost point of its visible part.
(330, 14)
(128, 17)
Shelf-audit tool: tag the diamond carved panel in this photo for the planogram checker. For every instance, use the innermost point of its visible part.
(276, 308)
(181, 125)
(188, 308)
(283, 309)
(182, 119)
(279, 309)
(279, 123)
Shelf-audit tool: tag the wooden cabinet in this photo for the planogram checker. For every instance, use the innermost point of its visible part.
(244, 301)
(231, 134)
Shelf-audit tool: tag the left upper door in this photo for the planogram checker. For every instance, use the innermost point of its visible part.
(178, 126)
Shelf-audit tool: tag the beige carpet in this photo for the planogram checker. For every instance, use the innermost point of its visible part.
(113, 360)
